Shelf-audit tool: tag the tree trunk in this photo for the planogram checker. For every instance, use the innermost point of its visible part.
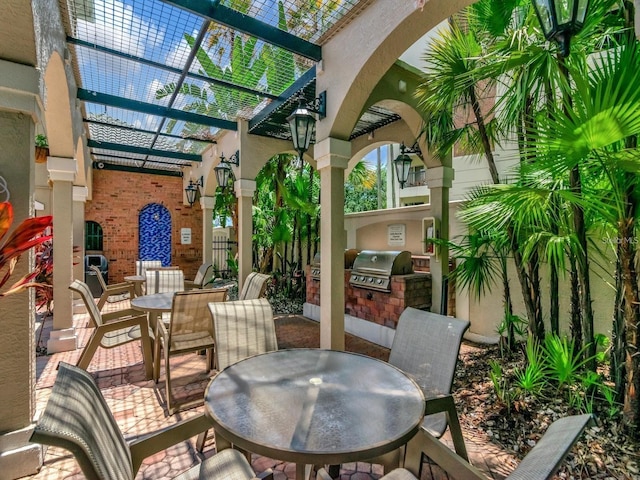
(508, 307)
(576, 313)
(631, 407)
(484, 137)
(618, 334)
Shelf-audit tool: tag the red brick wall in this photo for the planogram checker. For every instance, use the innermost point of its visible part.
(413, 290)
(117, 209)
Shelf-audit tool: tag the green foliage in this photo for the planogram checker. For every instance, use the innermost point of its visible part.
(562, 359)
(533, 378)
(360, 189)
(41, 141)
(501, 385)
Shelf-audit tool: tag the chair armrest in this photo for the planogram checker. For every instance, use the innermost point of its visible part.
(155, 442)
(266, 475)
(121, 314)
(544, 459)
(139, 320)
(447, 459)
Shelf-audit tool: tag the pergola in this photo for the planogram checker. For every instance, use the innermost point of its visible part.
(167, 86)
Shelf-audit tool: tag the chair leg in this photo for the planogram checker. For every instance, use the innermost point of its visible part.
(89, 350)
(201, 440)
(167, 376)
(456, 433)
(156, 360)
(147, 351)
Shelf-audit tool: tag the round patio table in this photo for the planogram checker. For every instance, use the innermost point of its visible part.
(137, 281)
(154, 304)
(314, 407)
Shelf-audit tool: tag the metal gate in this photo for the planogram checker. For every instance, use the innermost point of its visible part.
(223, 259)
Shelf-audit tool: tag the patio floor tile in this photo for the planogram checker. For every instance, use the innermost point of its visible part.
(139, 405)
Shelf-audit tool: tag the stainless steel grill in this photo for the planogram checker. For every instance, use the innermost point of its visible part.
(372, 269)
(349, 257)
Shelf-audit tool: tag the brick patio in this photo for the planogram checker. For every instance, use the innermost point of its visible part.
(139, 405)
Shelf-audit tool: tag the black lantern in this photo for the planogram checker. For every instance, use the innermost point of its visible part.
(560, 19)
(192, 190)
(223, 170)
(302, 122)
(403, 163)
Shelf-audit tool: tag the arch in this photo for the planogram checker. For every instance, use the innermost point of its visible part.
(154, 233)
(382, 35)
(58, 112)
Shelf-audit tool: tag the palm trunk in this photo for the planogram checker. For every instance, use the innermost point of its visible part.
(618, 334)
(576, 313)
(484, 137)
(508, 307)
(631, 407)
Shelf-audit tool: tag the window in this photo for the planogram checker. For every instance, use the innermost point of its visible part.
(93, 236)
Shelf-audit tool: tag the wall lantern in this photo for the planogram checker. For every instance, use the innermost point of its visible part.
(302, 121)
(192, 190)
(403, 162)
(560, 19)
(223, 170)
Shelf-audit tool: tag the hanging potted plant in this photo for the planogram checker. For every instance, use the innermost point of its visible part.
(42, 148)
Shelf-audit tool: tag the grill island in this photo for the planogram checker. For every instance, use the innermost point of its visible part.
(394, 286)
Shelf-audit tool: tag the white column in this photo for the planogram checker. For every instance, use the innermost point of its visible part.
(332, 156)
(244, 190)
(439, 180)
(19, 111)
(207, 204)
(62, 172)
(80, 195)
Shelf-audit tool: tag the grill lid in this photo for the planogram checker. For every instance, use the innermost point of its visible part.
(383, 262)
(373, 269)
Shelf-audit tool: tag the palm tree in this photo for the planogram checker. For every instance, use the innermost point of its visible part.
(593, 134)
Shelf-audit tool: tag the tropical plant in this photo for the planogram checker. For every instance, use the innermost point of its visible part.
(563, 361)
(28, 234)
(533, 378)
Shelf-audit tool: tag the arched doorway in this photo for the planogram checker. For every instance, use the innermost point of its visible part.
(154, 228)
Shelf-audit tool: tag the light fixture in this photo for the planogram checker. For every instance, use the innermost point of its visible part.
(560, 19)
(223, 170)
(192, 190)
(302, 121)
(403, 162)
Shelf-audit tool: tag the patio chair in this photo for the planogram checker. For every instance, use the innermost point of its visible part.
(77, 418)
(142, 265)
(113, 329)
(204, 275)
(164, 280)
(425, 346)
(190, 329)
(255, 286)
(243, 328)
(539, 464)
(112, 290)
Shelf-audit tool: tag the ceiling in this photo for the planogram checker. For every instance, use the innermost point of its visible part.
(161, 80)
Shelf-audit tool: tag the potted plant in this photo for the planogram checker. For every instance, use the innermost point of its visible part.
(42, 148)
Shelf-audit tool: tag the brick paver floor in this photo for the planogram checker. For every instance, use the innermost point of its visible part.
(139, 404)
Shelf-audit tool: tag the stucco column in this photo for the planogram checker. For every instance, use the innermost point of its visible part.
(332, 156)
(244, 190)
(19, 110)
(439, 180)
(80, 195)
(62, 172)
(207, 204)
